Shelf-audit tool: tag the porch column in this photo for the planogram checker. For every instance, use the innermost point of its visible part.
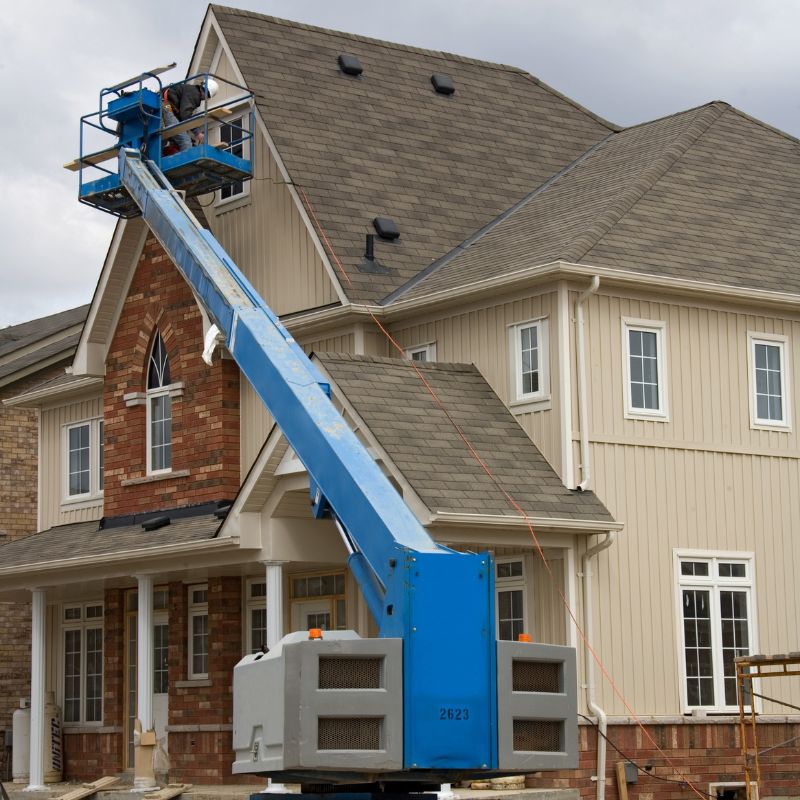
(38, 629)
(274, 572)
(143, 777)
(274, 602)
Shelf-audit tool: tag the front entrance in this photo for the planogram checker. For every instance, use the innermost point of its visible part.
(318, 601)
(160, 675)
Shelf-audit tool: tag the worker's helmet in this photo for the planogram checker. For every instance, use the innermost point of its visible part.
(211, 87)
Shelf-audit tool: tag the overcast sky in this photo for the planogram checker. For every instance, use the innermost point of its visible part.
(627, 60)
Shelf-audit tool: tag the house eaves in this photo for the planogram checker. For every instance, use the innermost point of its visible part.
(67, 386)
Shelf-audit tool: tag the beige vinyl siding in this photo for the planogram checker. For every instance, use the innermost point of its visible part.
(52, 510)
(265, 234)
(481, 336)
(703, 480)
(256, 422)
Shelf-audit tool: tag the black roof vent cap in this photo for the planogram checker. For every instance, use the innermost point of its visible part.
(386, 228)
(154, 523)
(350, 64)
(443, 83)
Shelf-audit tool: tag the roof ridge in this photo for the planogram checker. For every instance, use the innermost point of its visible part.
(649, 176)
(442, 54)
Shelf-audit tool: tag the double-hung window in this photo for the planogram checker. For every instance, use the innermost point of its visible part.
(159, 409)
(198, 631)
(83, 462)
(422, 352)
(645, 369)
(82, 639)
(510, 597)
(234, 138)
(530, 378)
(769, 383)
(256, 625)
(715, 596)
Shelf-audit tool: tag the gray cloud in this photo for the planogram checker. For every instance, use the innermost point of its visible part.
(627, 60)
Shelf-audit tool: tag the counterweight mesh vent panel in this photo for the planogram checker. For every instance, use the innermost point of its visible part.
(537, 735)
(340, 672)
(535, 676)
(349, 733)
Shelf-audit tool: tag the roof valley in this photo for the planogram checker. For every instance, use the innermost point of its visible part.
(594, 233)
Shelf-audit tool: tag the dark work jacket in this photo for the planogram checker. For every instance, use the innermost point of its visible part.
(185, 99)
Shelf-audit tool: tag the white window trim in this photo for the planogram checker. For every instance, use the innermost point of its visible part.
(82, 625)
(95, 486)
(429, 349)
(713, 582)
(173, 390)
(660, 329)
(238, 106)
(754, 338)
(511, 584)
(521, 401)
(252, 604)
(196, 610)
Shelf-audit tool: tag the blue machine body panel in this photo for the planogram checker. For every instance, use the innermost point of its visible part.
(423, 592)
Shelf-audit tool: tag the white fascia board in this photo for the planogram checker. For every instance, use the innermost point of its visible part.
(589, 527)
(562, 269)
(39, 397)
(90, 355)
(210, 22)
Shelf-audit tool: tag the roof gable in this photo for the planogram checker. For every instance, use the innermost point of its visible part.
(386, 144)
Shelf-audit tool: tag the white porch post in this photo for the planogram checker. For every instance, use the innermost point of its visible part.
(274, 602)
(38, 629)
(274, 572)
(144, 676)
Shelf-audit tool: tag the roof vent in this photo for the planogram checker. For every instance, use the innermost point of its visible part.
(154, 523)
(349, 64)
(443, 83)
(387, 228)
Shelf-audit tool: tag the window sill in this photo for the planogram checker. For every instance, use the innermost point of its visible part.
(90, 727)
(647, 417)
(82, 502)
(193, 683)
(771, 426)
(530, 405)
(231, 203)
(163, 476)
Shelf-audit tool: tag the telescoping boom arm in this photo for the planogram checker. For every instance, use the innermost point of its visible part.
(435, 697)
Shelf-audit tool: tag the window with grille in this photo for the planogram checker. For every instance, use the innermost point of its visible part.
(198, 632)
(159, 409)
(645, 369)
(234, 139)
(256, 621)
(530, 367)
(83, 463)
(715, 596)
(510, 598)
(769, 385)
(82, 632)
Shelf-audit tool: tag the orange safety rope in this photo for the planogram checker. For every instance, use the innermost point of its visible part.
(329, 246)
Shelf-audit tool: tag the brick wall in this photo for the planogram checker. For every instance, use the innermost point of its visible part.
(702, 752)
(18, 488)
(201, 715)
(205, 421)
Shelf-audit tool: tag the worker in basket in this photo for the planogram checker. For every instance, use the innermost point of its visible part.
(179, 102)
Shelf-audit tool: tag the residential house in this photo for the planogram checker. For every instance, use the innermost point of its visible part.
(30, 353)
(609, 315)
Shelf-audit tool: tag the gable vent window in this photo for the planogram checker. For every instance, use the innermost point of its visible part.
(350, 65)
(443, 84)
(159, 410)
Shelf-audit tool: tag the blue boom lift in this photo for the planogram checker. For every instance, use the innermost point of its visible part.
(388, 712)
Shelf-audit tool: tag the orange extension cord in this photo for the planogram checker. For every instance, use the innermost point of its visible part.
(512, 502)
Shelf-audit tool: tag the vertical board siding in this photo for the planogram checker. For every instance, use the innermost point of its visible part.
(481, 337)
(265, 234)
(53, 512)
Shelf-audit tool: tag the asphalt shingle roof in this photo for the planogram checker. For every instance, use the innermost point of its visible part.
(86, 539)
(426, 448)
(386, 144)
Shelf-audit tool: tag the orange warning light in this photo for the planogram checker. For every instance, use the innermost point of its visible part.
(524, 637)
(315, 633)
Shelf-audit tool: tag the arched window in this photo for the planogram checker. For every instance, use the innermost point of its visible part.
(159, 409)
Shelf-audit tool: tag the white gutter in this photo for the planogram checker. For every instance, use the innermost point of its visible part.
(588, 611)
(508, 520)
(583, 414)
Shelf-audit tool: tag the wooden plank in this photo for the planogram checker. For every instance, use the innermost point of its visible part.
(93, 158)
(622, 784)
(3, 792)
(168, 792)
(88, 789)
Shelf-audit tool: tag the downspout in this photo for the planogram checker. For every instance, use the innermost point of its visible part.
(583, 413)
(588, 612)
